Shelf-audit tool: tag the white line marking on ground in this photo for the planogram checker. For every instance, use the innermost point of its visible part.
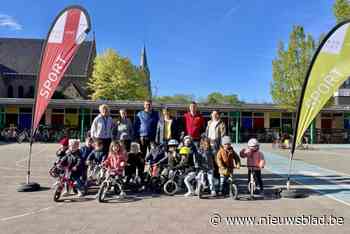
(322, 193)
(28, 213)
(313, 188)
(26, 158)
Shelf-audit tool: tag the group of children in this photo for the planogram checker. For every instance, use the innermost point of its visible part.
(186, 156)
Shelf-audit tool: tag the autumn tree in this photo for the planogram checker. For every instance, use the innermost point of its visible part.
(116, 78)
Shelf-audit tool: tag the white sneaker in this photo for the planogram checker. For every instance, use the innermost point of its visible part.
(213, 193)
(80, 194)
(189, 194)
(122, 195)
(196, 193)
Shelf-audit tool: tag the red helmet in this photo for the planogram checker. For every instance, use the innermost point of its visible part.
(64, 141)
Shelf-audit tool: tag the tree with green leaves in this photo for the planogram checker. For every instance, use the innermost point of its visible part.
(289, 68)
(116, 78)
(219, 98)
(341, 10)
(175, 99)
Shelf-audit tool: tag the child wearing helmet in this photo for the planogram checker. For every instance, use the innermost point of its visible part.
(188, 164)
(63, 147)
(226, 159)
(255, 161)
(61, 152)
(174, 157)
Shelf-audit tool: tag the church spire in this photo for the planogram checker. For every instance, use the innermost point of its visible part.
(144, 67)
(143, 63)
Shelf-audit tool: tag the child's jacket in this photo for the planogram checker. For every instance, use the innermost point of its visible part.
(116, 161)
(227, 160)
(254, 158)
(98, 156)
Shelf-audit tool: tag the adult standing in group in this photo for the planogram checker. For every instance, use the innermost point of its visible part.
(102, 126)
(145, 126)
(194, 123)
(123, 130)
(216, 129)
(167, 127)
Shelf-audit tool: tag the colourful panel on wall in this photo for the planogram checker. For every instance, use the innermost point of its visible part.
(346, 123)
(275, 115)
(71, 119)
(258, 123)
(25, 121)
(57, 120)
(11, 110)
(326, 123)
(247, 123)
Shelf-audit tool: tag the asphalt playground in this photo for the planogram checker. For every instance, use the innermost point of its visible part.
(322, 173)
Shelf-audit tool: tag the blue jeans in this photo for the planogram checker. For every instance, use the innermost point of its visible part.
(223, 179)
(77, 180)
(200, 178)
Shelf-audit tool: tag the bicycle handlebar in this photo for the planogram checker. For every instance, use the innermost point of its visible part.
(251, 166)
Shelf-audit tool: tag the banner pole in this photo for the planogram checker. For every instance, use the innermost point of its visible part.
(29, 161)
(289, 171)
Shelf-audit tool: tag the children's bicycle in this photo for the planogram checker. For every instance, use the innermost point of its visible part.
(96, 172)
(252, 181)
(112, 180)
(174, 182)
(233, 189)
(133, 182)
(64, 182)
(155, 179)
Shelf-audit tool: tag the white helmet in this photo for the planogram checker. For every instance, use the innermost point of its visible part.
(253, 143)
(187, 138)
(173, 142)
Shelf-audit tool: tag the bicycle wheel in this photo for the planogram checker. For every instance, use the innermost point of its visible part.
(233, 191)
(57, 194)
(102, 192)
(170, 187)
(117, 189)
(155, 185)
(251, 189)
(200, 191)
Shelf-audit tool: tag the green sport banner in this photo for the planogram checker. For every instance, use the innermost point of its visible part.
(329, 68)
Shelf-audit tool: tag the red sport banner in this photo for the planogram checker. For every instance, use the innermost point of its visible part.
(66, 34)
